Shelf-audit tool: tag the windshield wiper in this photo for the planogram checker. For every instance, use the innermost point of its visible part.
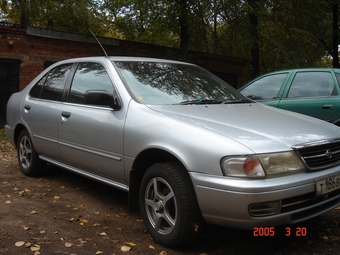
(238, 101)
(203, 101)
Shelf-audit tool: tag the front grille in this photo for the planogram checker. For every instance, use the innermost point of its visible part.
(321, 154)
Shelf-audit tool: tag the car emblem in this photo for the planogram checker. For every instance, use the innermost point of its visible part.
(329, 154)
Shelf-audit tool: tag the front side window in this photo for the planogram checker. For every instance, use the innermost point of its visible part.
(174, 83)
(89, 76)
(312, 84)
(265, 88)
(51, 86)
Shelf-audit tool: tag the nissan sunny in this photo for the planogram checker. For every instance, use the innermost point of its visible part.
(187, 147)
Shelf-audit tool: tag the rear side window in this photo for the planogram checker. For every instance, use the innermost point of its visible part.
(89, 76)
(312, 84)
(265, 88)
(51, 86)
(338, 77)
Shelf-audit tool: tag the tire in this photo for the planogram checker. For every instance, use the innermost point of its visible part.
(169, 206)
(28, 159)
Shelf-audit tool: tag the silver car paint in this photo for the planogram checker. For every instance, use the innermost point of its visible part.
(198, 136)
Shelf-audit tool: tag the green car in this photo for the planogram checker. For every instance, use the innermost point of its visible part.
(310, 91)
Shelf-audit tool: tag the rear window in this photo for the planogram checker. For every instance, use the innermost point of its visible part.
(51, 86)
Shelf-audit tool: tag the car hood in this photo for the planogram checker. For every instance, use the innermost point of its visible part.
(259, 127)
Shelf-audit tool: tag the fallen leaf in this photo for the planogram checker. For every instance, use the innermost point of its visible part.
(99, 252)
(19, 244)
(35, 247)
(34, 212)
(125, 248)
(56, 197)
(103, 234)
(163, 253)
(151, 247)
(130, 243)
(68, 245)
(8, 202)
(27, 245)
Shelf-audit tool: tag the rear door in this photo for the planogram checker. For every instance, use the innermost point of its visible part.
(314, 93)
(41, 110)
(91, 136)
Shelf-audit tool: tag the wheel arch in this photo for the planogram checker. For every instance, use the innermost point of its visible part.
(17, 132)
(143, 161)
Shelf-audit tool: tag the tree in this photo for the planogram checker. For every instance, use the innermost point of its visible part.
(67, 15)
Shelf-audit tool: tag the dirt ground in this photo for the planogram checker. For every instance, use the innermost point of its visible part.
(63, 213)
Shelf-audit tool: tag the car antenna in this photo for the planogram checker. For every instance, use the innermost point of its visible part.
(98, 42)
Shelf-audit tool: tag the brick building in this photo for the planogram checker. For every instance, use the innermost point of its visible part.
(25, 52)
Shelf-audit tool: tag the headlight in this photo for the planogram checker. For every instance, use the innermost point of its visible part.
(262, 165)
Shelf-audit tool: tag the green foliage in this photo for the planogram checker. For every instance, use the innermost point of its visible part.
(67, 15)
(289, 34)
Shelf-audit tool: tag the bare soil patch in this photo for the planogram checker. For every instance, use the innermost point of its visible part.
(63, 213)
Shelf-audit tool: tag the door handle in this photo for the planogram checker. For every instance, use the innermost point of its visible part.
(66, 114)
(328, 107)
(27, 108)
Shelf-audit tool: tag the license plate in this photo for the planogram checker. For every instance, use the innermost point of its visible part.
(327, 185)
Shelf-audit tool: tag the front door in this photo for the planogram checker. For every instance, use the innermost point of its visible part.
(91, 136)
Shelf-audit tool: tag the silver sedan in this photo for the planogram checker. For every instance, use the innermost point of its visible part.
(186, 146)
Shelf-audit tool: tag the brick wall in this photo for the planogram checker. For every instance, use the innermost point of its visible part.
(35, 46)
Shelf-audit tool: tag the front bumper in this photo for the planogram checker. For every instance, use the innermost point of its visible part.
(233, 202)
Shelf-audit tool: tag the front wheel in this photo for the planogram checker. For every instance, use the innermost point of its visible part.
(28, 159)
(168, 205)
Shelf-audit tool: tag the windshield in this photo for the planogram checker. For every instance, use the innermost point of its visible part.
(173, 83)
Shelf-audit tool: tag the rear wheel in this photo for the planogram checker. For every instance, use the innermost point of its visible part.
(28, 159)
(168, 205)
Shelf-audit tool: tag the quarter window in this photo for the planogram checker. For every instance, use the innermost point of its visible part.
(312, 84)
(51, 86)
(265, 88)
(89, 76)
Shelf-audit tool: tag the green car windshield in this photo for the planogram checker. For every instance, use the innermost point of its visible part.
(173, 83)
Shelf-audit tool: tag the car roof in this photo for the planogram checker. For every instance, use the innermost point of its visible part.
(303, 70)
(122, 58)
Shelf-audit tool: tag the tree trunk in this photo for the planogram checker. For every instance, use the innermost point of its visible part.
(24, 13)
(254, 35)
(335, 39)
(184, 34)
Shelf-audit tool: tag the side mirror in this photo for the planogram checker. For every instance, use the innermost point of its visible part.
(101, 98)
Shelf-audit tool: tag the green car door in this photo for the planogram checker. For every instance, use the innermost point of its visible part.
(314, 93)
